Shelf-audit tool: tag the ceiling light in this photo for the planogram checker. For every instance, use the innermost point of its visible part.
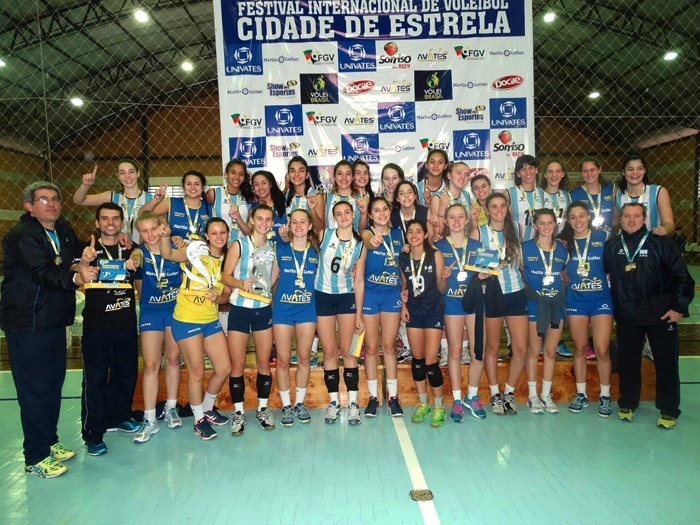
(670, 55)
(549, 17)
(187, 66)
(2, 63)
(594, 94)
(141, 15)
(76, 101)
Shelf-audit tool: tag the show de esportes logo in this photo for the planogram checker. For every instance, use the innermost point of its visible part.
(357, 56)
(319, 88)
(433, 84)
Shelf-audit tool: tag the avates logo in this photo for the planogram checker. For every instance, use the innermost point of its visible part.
(321, 120)
(359, 119)
(318, 58)
(507, 82)
(397, 117)
(398, 87)
(284, 121)
(471, 144)
(507, 145)
(475, 114)
(357, 56)
(363, 147)
(319, 89)
(433, 55)
(324, 150)
(394, 58)
(433, 85)
(250, 149)
(358, 87)
(508, 112)
(246, 122)
(243, 59)
(467, 53)
(282, 89)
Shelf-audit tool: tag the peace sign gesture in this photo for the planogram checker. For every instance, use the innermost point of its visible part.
(447, 270)
(162, 190)
(89, 178)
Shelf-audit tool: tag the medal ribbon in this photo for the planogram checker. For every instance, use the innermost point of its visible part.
(415, 275)
(547, 269)
(582, 257)
(193, 224)
(494, 238)
(300, 269)
(463, 260)
(159, 275)
(346, 251)
(630, 260)
(527, 202)
(389, 247)
(129, 212)
(54, 240)
(596, 207)
(402, 219)
(109, 255)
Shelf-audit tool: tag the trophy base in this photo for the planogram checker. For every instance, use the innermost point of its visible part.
(490, 271)
(255, 296)
(106, 286)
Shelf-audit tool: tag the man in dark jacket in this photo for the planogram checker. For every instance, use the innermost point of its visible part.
(651, 291)
(37, 302)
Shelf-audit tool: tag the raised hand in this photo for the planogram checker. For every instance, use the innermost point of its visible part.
(164, 228)
(132, 264)
(178, 241)
(89, 253)
(89, 178)
(447, 270)
(311, 202)
(234, 213)
(162, 190)
(248, 285)
(445, 200)
(124, 240)
(377, 240)
(362, 205)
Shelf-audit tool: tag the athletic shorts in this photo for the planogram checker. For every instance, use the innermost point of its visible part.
(182, 330)
(514, 304)
(532, 308)
(375, 303)
(453, 306)
(328, 304)
(293, 314)
(436, 321)
(246, 320)
(590, 309)
(155, 320)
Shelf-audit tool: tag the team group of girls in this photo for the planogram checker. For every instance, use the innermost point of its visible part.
(347, 261)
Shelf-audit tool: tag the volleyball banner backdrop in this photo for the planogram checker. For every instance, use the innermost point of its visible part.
(378, 80)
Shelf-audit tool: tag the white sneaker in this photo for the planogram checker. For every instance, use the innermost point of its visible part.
(354, 417)
(145, 431)
(443, 357)
(237, 423)
(549, 405)
(172, 418)
(466, 357)
(332, 411)
(535, 405)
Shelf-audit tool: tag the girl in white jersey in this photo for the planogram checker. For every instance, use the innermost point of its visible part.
(432, 180)
(525, 197)
(339, 298)
(248, 259)
(481, 189)
(454, 193)
(232, 201)
(555, 183)
(131, 196)
(300, 193)
(342, 191)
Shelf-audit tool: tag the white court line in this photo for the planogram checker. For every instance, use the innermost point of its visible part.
(427, 508)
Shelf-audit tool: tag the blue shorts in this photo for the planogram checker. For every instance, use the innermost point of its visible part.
(514, 304)
(453, 306)
(328, 304)
(590, 309)
(532, 312)
(182, 330)
(155, 320)
(246, 320)
(436, 321)
(375, 303)
(291, 314)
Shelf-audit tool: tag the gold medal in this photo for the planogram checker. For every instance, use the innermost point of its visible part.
(631, 266)
(59, 260)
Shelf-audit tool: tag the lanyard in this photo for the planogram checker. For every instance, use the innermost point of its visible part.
(414, 274)
(640, 198)
(232, 203)
(582, 257)
(129, 212)
(109, 255)
(193, 224)
(463, 260)
(346, 251)
(300, 203)
(494, 238)
(300, 269)
(527, 202)
(555, 203)
(547, 268)
(214, 277)
(389, 247)
(596, 207)
(403, 221)
(159, 274)
(54, 240)
(627, 252)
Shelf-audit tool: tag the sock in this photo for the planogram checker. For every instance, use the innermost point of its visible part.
(508, 389)
(171, 403)
(605, 390)
(262, 403)
(532, 388)
(546, 388)
(197, 412)
(393, 387)
(457, 395)
(438, 402)
(150, 415)
(494, 390)
(239, 407)
(314, 346)
(581, 388)
(352, 396)
(472, 391)
(334, 398)
(284, 396)
(300, 395)
(423, 398)
(208, 402)
(372, 387)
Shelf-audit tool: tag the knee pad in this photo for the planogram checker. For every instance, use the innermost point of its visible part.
(418, 369)
(332, 380)
(236, 386)
(351, 376)
(434, 375)
(263, 385)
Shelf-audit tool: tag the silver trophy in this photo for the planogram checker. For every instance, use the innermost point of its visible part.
(263, 257)
(195, 251)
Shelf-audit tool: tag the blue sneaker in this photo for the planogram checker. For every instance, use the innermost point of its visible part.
(96, 449)
(563, 351)
(372, 407)
(293, 359)
(313, 360)
(129, 426)
(475, 407)
(605, 408)
(395, 408)
(457, 414)
(579, 404)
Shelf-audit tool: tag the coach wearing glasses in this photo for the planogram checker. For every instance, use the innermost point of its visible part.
(37, 303)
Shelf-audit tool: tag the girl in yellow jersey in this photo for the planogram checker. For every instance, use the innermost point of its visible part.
(196, 326)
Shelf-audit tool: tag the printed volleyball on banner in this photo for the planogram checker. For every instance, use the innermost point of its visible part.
(378, 80)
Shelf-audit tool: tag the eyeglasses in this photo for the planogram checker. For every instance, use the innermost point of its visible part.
(46, 200)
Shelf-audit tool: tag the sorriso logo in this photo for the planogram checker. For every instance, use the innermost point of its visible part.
(393, 57)
(507, 145)
(363, 147)
(358, 87)
(507, 82)
(471, 144)
(250, 149)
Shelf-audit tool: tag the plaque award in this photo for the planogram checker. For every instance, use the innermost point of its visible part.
(113, 274)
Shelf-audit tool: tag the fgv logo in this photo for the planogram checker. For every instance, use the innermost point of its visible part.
(243, 59)
(357, 55)
(471, 144)
(284, 121)
(363, 147)
(397, 117)
(250, 149)
(508, 112)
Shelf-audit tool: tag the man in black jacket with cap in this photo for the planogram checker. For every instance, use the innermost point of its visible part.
(651, 291)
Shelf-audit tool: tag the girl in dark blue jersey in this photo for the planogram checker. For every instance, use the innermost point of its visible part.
(406, 208)
(596, 193)
(424, 280)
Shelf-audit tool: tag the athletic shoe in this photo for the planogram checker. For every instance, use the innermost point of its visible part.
(497, 405)
(313, 360)
(549, 405)
(96, 448)
(47, 468)
(625, 414)
(466, 356)
(422, 410)
(510, 403)
(145, 431)
(475, 407)
(443, 357)
(563, 351)
(590, 354)
(203, 429)
(215, 418)
(667, 422)
(438, 418)
(332, 411)
(457, 414)
(237, 423)
(265, 418)
(293, 359)
(395, 408)
(579, 404)
(301, 413)
(372, 407)
(647, 351)
(287, 419)
(604, 408)
(354, 418)
(172, 418)
(535, 405)
(129, 427)
(501, 358)
(61, 453)
(403, 354)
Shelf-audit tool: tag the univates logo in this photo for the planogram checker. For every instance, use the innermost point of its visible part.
(282, 121)
(243, 59)
(397, 117)
(471, 144)
(357, 56)
(246, 122)
(508, 113)
(317, 58)
(250, 149)
(361, 147)
(468, 53)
